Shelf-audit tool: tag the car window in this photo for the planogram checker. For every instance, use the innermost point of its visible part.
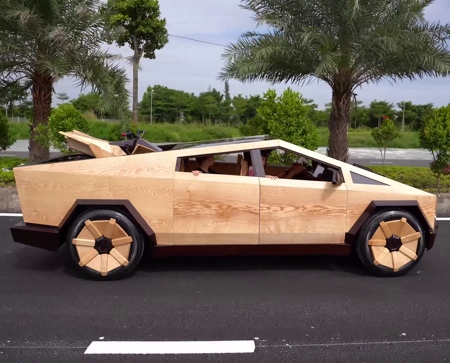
(291, 165)
(236, 163)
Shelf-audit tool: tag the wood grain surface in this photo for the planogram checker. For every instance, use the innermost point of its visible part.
(215, 209)
(303, 212)
(184, 209)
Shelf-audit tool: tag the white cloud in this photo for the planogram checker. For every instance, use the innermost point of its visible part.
(193, 66)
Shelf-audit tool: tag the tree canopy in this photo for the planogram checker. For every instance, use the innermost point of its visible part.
(344, 43)
(138, 24)
(44, 41)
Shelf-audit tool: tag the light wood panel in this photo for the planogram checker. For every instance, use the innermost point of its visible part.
(215, 209)
(91, 145)
(360, 196)
(106, 262)
(48, 191)
(207, 209)
(302, 212)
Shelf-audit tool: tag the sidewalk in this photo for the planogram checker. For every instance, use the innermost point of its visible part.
(355, 153)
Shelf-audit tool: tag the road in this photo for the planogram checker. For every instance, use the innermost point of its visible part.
(293, 309)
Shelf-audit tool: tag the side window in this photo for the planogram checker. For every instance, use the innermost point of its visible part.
(287, 164)
(236, 163)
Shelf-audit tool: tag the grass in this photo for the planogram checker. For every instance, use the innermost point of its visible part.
(196, 132)
(155, 132)
(363, 138)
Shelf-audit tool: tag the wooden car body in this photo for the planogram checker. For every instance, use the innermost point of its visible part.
(176, 208)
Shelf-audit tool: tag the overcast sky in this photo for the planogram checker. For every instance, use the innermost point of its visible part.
(193, 66)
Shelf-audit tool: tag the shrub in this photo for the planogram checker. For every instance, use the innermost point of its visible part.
(384, 135)
(63, 118)
(435, 137)
(416, 176)
(6, 138)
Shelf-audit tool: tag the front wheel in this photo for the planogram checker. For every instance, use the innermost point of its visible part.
(104, 244)
(391, 243)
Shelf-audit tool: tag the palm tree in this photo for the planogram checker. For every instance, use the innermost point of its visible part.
(43, 41)
(344, 43)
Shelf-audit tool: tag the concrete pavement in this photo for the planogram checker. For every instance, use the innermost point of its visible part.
(294, 309)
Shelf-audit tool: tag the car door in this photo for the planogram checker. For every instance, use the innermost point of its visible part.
(302, 211)
(215, 209)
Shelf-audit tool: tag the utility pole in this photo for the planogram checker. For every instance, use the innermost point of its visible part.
(403, 120)
(151, 106)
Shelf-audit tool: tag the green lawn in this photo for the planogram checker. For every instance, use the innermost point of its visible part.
(197, 132)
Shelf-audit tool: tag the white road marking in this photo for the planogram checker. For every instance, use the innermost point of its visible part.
(21, 215)
(171, 347)
(380, 162)
(344, 344)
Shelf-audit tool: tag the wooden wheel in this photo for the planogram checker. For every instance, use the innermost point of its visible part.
(105, 244)
(394, 244)
(391, 243)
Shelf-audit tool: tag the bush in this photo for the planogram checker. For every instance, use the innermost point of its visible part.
(6, 138)
(6, 173)
(416, 176)
(435, 136)
(63, 118)
(384, 135)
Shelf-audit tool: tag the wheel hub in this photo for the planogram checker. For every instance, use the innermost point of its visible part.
(103, 245)
(393, 243)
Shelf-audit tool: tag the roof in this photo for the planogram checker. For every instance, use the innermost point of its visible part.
(215, 142)
(99, 148)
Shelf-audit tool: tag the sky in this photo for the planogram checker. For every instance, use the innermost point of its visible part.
(194, 66)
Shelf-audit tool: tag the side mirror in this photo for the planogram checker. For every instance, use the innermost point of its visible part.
(336, 180)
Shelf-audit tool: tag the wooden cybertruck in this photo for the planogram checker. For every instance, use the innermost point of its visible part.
(114, 199)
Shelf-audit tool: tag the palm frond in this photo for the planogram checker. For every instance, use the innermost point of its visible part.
(350, 41)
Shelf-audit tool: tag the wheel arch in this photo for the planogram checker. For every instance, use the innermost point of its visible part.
(411, 206)
(121, 205)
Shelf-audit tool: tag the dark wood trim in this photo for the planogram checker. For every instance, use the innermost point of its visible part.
(411, 206)
(44, 237)
(255, 250)
(52, 237)
(81, 205)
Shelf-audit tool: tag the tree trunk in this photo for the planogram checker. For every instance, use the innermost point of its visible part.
(136, 59)
(42, 102)
(338, 125)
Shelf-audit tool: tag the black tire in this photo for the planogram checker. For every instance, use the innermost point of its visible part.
(363, 249)
(136, 246)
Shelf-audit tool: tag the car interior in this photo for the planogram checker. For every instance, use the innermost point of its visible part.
(239, 163)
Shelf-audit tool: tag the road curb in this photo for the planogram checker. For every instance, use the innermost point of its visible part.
(9, 202)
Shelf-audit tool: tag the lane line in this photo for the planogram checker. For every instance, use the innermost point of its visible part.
(21, 215)
(174, 347)
(344, 344)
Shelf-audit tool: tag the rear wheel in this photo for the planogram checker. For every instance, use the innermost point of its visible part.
(391, 243)
(104, 244)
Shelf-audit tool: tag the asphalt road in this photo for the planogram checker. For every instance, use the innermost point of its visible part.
(312, 309)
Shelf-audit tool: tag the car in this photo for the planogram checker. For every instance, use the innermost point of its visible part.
(108, 202)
